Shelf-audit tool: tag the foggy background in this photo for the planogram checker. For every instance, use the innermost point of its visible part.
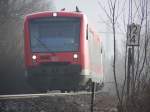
(12, 13)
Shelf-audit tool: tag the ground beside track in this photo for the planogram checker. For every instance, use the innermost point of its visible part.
(57, 102)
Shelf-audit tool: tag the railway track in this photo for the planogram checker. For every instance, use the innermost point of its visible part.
(56, 102)
(25, 96)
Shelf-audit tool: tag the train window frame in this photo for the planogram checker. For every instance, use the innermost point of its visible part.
(29, 22)
(87, 32)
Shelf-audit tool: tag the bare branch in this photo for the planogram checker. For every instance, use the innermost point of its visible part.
(137, 8)
(146, 43)
(105, 11)
(123, 8)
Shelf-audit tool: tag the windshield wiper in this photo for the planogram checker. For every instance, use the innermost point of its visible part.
(42, 44)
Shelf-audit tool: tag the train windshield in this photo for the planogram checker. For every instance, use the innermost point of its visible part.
(55, 34)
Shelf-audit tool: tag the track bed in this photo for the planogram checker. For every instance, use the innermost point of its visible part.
(56, 102)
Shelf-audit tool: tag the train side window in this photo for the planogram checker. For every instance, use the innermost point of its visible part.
(87, 32)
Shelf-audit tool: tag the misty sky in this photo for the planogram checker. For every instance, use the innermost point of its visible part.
(89, 7)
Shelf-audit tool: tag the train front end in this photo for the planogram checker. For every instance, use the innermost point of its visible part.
(53, 50)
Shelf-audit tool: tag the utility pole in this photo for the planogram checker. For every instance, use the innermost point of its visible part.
(128, 72)
(92, 96)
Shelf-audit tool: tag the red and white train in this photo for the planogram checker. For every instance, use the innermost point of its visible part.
(61, 51)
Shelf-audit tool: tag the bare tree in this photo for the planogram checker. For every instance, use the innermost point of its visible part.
(136, 75)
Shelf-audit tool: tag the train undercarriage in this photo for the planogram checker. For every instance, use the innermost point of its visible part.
(59, 77)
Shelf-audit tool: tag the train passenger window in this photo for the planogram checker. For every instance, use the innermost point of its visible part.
(87, 32)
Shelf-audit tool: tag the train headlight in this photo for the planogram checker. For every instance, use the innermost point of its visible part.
(34, 57)
(75, 56)
(54, 14)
